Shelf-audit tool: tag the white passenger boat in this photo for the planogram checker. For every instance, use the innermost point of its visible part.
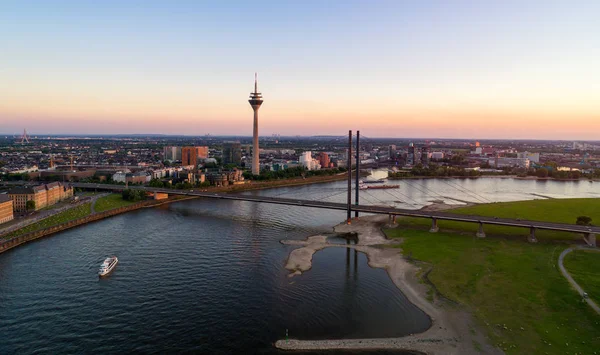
(108, 265)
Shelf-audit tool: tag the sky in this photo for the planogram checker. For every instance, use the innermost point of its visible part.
(443, 69)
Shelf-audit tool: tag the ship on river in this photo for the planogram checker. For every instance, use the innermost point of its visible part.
(376, 187)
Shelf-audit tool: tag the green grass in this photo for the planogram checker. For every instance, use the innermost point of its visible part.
(513, 288)
(110, 202)
(554, 210)
(68, 215)
(584, 267)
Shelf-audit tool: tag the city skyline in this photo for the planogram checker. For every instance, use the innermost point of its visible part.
(433, 69)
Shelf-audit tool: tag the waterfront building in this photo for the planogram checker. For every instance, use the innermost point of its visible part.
(308, 162)
(189, 156)
(255, 101)
(503, 162)
(219, 177)
(43, 195)
(232, 153)
(6, 209)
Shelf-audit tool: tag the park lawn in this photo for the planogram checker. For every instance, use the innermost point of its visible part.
(514, 289)
(65, 216)
(551, 210)
(110, 202)
(584, 267)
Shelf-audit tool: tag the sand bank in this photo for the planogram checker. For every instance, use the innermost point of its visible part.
(452, 330)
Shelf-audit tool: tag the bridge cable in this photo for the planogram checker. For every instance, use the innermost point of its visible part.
(424, 187)
(393, 194)
(464, 191)
(474, 193)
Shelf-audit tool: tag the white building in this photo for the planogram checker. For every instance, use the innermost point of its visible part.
(534, 157)
(308, 162)
(437, 155)
(119, 176)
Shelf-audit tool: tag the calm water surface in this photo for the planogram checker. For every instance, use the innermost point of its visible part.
(201, 276)
(208, 276)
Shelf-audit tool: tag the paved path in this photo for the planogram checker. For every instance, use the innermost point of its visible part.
(570, 279)
(46, 213)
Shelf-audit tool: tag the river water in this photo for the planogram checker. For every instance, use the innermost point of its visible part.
(207, 276)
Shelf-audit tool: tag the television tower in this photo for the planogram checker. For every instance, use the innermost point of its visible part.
(255, 101)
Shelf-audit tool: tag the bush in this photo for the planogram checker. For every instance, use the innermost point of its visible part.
(30, 205)
(133, 195)
(584, 221)
(543, 173)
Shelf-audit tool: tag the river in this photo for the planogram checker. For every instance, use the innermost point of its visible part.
(207, 276)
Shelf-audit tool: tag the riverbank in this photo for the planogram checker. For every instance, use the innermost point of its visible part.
(262, 185)
(452, 330)
(516, 177)
(88, 218)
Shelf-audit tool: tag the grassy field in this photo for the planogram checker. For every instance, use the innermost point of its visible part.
(110, 202)
(584, 267)
(68, 215)
(554, 210)
(513, 288)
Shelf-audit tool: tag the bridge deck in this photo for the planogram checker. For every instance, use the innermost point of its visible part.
(361, 208)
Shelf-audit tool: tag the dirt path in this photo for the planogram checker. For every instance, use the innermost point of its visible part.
(452, 330)
(95, 198)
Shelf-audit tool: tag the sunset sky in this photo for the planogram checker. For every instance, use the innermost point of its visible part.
(468, 69)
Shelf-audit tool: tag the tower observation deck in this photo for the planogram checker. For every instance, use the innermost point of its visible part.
(255, 101)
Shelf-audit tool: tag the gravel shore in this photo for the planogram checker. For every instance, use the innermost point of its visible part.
(452, 330)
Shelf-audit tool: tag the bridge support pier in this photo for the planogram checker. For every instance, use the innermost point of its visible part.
(531, 238)
(391, 219)
(590, 239)
(480, 232)
(434, 227)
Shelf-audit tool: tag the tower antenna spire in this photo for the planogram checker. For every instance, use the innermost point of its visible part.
(255, 83)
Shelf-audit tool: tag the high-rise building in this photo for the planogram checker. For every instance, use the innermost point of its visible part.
(202, 152)
(172, 153)
(425, 155)
(324, 160)
(189, 156)
(392, 151)
(232, 153)
(255, 101)
(410, 157)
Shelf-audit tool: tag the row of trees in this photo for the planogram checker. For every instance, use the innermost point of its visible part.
(133, 195)
(180, 185)
(298, 171)
(434, 170)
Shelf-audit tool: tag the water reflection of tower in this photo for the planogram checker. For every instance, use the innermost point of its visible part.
(255, 101)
